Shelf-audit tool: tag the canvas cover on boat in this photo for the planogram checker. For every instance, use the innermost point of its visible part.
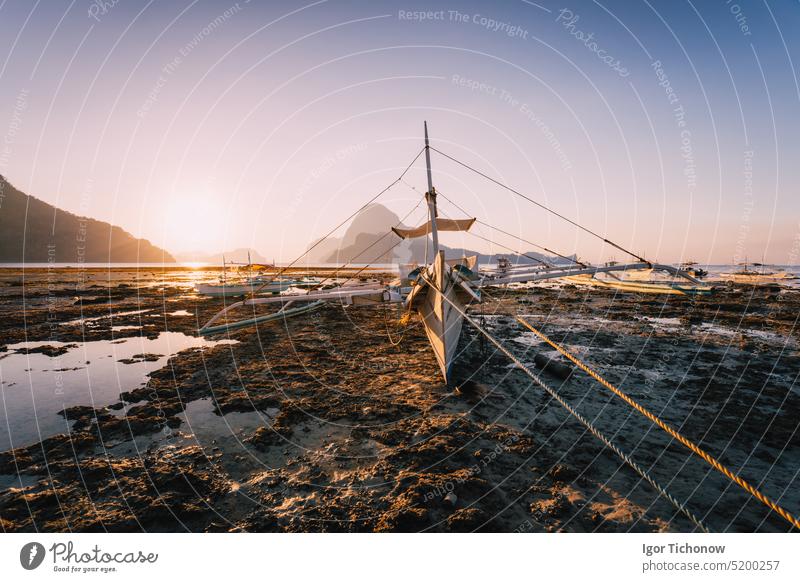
(442, 224)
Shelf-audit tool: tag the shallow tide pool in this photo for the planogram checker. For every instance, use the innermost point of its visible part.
(35, 387)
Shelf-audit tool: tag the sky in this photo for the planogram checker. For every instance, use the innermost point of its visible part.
(669, 127)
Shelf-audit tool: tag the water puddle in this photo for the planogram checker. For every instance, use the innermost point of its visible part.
(34, 387)
(84, 320)
(20, 481)
(527, 338)
(202, 426)
(207, 428)
(662, 321)
(768, 337)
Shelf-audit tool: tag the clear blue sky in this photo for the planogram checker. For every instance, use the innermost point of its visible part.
(669, 126)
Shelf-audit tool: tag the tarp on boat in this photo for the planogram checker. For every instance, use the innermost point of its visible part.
(442, 224)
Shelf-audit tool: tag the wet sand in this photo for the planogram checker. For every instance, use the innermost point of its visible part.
(338, 421)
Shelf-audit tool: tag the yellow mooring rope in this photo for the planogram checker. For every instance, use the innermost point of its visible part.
(669, 430)
(577, 415)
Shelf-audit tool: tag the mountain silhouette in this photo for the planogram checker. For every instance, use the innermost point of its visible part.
(32, 231)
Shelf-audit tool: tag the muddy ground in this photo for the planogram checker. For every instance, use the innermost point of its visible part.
(338, 421)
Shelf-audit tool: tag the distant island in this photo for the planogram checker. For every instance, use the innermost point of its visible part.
(32, 231)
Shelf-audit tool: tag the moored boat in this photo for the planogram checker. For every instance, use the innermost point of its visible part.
(693, 269)
(758, 276)
(634, 285)
(249, 286)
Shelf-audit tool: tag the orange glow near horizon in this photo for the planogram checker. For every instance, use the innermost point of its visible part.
(194, 223)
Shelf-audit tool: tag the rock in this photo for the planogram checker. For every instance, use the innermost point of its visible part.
(264, 437)
(50, 351)
(406, 520)
(552, 367)
(137, 358)
(564, 473)
(466, 520)
(451, 499)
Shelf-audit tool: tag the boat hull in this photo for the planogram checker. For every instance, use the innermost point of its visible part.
(439, 300)
(660, 288)
(239, 290)
(759, 280)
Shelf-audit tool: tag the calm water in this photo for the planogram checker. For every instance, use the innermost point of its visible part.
(35, 387)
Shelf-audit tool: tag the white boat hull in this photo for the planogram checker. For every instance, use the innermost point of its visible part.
(438, 298)
(757, 279)
(240, 289)
(642, 286)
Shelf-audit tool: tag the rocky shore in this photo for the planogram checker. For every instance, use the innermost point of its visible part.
(339, 421)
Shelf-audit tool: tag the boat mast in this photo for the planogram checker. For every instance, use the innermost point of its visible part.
(430, 195)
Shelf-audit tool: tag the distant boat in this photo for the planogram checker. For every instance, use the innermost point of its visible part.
(693, 269)
(503, 264)
(759, 276)
(260, 284)
(640, 282)
(250, 284)
(645, 280)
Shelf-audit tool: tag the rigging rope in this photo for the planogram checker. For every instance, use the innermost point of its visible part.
(578, 416)
(476, 235)
(540, 205)
(402, 321)
(526, 255)
(368, 265)
(490, 241)
(540, 247)
(538, 260)
(668, 429)
(337, 227)
(387, 233)
(427, 224)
